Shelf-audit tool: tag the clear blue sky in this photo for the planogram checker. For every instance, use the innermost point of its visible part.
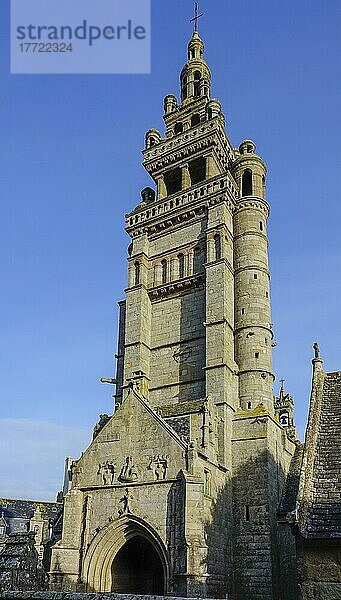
(70, 167)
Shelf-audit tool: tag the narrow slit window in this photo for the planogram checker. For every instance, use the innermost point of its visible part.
(164, 271)
(197, 77)
(243, 311)
(137, 273)
(247, 513)
(261, 225)
(217, 246)
(255, 276)
(256, 354)
(181, 260)
(247, 183)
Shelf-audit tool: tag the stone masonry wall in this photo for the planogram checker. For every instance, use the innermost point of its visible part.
(178, 349)
(76, 596)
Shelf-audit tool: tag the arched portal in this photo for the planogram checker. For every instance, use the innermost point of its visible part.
(137, 569)
(126, 546)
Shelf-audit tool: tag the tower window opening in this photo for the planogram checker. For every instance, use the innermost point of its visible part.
(192, 53)
(210, 113)
(266, 294)
(164, 271)
(137, 273)
(255, 276)
(249, 404)
(217, 246)
(181, 260)
(173, 181)
(184, 88)
(284, 419)
(256, 354)
(179, 127)
(243, 311)
(197, 77)
(247, 183)
(197, 170)
(195, 120)
(247, 513)
(261, 225)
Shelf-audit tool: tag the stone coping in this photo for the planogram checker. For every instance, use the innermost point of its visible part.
(82, 596)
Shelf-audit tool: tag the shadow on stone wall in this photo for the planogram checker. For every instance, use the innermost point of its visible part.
(250, 557)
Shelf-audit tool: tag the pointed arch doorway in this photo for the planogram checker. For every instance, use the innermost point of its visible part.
(126, 556)
(137, 569)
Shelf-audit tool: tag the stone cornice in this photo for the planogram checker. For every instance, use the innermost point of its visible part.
(169, 150)
(179, 207)
(176, 287)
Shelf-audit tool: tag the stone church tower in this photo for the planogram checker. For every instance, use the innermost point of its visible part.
(178, 492)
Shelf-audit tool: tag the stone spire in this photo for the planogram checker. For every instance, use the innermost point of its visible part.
(195, 77)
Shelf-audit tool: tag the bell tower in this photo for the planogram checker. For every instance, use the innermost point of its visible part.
(193, 461)
(180, 302)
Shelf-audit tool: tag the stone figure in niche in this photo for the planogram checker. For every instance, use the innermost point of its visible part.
(125, 501)
(159, 465)
(129, 471)
(107, 471)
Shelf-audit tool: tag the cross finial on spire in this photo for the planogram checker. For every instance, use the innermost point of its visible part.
(196, 16)
(282, 383)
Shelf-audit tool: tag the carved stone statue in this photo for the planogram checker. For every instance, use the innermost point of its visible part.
(125, 500)
(103, 419)
(107, 472)
(317, 350)
(159, 465)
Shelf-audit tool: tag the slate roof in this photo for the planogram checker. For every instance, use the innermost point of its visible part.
(24, 509)
(289, 496)
(323, 515)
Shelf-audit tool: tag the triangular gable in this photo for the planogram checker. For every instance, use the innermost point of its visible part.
(135, 445)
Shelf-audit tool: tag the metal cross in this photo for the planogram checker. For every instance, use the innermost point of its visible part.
(282, 382)
(196, 16)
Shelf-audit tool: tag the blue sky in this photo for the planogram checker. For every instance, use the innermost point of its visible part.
(70, 168)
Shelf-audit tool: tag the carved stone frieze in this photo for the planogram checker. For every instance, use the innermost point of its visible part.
(159, 465)
(129, 472)
(106, 470)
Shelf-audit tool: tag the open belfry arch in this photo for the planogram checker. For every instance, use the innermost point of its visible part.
(186, 476)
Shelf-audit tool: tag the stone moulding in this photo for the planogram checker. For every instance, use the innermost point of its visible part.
(183, 285)
(219, 184)
(82, 596)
